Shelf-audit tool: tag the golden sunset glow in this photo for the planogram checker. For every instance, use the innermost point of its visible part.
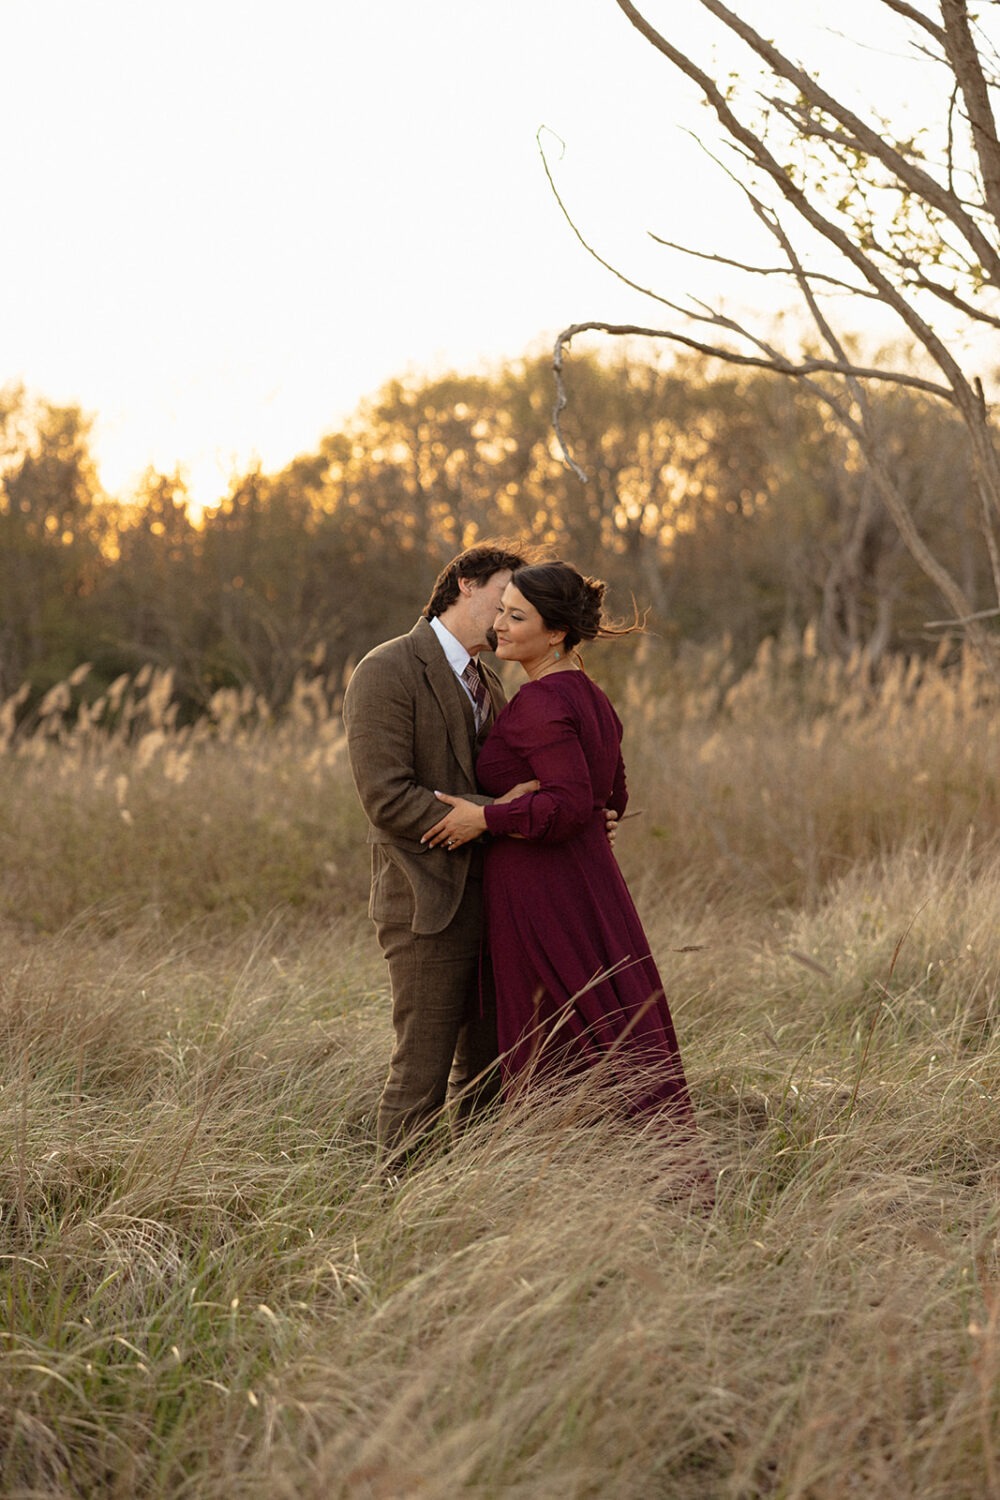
(234, 221)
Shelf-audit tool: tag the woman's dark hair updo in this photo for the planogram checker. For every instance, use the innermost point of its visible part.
(566, 600)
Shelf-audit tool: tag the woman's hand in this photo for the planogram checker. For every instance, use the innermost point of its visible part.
(521, 790)
(465, 822)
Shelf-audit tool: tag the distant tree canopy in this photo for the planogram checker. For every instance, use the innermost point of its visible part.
(724, 502)
(52, 531)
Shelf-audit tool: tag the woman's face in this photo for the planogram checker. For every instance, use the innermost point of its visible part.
(522, 634)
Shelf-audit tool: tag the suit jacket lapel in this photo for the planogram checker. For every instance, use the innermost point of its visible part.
(445, 687)
(495, 690)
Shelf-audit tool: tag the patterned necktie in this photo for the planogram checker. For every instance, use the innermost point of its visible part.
(476, 686)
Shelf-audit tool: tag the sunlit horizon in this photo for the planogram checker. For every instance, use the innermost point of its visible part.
(236, 225)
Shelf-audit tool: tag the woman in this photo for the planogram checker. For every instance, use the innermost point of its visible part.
(576, 984)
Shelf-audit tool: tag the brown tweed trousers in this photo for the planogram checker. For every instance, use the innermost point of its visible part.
(411, 731)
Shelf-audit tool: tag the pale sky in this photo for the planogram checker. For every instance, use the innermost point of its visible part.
(229, 221)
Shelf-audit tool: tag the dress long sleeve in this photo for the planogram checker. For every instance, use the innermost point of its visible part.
(548, 738)
(619, 793)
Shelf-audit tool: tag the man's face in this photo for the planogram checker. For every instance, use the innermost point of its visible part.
(483, 603)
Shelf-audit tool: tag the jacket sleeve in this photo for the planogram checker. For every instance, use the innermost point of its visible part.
(379, 718)
(548, 737)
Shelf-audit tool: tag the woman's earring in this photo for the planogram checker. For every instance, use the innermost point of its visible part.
(557, 653)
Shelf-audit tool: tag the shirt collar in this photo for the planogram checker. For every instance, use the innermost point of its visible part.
(458, 657)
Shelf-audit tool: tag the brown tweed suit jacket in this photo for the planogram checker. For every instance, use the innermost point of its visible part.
(410, 732)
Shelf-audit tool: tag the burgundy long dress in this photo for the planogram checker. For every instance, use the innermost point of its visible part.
(558, 911)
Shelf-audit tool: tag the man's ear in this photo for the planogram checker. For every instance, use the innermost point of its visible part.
(465, 585)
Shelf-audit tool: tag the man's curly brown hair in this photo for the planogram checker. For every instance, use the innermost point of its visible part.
(476, 563)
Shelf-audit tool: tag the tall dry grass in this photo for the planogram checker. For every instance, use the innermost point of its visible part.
(118, 811)
(783, 779)
(207, 1290)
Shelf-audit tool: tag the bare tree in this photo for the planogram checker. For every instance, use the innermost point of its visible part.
(865, 210)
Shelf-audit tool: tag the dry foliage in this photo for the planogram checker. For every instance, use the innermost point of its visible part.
(207, 1290)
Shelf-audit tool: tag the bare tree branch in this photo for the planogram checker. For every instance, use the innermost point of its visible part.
(918, 18)
(738, 265)
(939, 245)
(903, 167)
(777, 363)
(772, 360)
(920, 278)
(962, 54)
(619, 275)
(795, 195)
(863, 426)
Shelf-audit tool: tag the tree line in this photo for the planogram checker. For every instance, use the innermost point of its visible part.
(727, 503)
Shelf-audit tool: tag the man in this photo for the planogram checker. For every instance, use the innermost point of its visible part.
(413, 728)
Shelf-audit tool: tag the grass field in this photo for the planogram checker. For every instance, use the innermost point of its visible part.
(208, 1292)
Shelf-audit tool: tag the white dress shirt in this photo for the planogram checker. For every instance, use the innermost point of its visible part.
(458, 657)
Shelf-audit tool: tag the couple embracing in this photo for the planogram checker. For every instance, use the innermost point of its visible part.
(504, 919)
